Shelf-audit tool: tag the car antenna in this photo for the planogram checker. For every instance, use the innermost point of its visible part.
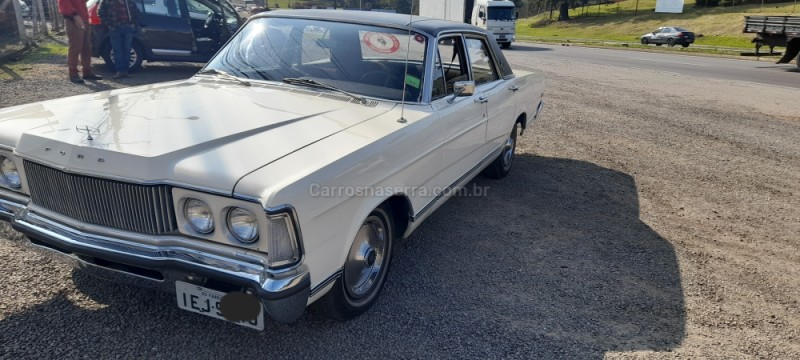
(402, 118)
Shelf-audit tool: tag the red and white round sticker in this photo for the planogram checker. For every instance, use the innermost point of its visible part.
(382, 43)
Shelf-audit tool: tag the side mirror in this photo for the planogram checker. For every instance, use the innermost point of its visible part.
(462, 88)
(516, 15)
(481, 14)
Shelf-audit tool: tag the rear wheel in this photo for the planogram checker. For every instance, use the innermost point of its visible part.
(501, 166)
(365, 269)
(685, 45)
(671, 42)
(137, 56)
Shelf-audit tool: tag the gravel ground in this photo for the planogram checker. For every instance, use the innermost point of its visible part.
(626, 230)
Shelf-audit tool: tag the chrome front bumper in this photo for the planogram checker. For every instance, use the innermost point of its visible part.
(159, 261)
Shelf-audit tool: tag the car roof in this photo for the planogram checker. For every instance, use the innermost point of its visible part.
(419, 23)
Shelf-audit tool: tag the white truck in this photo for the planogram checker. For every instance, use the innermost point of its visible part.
(498, 17)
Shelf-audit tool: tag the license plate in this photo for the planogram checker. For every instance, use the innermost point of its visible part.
(205, 301)
(503, 37)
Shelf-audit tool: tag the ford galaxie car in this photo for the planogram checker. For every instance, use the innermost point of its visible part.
(283, 172)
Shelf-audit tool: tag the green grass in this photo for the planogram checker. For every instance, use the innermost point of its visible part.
(20, 64)
(720, 26)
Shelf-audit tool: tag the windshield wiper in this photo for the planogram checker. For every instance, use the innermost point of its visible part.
(225, 75)
(319, 85)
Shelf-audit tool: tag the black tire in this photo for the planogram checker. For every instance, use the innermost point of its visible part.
(670, 42)
(505, 45)
(645, 41)
(797, 62)
(137, 56)
(685, 45)
(501, 166)
(346, 300)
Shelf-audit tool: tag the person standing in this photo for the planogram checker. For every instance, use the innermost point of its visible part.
(122, 19)
(79, 39)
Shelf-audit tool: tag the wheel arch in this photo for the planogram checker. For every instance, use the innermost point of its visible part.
(400, 205)
(522, 120)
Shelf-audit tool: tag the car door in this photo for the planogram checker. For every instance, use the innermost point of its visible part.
(165, 30)
(464, 117)
(213, 22)
(496, 93)
(663, 36)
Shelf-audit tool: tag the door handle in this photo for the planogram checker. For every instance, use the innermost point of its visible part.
(482, 100)
(514, 88)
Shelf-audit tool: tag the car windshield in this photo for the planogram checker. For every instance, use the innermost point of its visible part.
(501, 13)
(680, 29)
(354, 58)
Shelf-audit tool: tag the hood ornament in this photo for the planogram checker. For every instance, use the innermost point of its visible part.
(88, 131)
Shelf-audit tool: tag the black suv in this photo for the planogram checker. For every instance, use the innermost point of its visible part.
(172, 30)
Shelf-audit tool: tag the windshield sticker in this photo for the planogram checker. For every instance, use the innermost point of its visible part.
(419, 38)
(382, 43)
(412, 80)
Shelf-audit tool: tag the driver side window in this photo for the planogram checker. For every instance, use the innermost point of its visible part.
(451, 66)
(169, 8)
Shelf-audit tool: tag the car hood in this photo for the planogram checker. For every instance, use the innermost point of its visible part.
(199, 132)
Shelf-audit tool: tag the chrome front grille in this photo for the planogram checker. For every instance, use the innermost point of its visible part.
(139, 208)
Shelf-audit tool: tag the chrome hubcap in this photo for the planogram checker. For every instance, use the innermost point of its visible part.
(133, 57)
(508, 152)
(366, 259)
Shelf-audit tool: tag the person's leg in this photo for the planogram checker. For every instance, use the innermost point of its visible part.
(127, 39)
(75, 43)
(115, 36)
(86, 56)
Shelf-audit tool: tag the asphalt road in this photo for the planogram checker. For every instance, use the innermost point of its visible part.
(762, 72)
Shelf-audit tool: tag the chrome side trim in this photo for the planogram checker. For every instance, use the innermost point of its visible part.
(172, 52)
(464, 178)
(322, 284)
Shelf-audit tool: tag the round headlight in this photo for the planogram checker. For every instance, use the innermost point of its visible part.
(199, 216)
(243, 225)
(9, 172)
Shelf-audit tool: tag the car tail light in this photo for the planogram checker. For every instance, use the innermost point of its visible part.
(680, 34)
(94, 19)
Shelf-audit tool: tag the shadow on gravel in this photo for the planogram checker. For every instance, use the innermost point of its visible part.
(553, 263)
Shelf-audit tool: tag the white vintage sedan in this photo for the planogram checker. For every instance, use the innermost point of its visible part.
(283, 172)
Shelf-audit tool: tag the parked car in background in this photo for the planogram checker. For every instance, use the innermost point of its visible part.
(670, 35)
(283, 172)
(172, 30)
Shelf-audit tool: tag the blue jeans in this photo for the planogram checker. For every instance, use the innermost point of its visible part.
(121, 37)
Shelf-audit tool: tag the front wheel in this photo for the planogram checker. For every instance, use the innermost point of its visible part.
(501, 166)
(365, 269)
(645, 41)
